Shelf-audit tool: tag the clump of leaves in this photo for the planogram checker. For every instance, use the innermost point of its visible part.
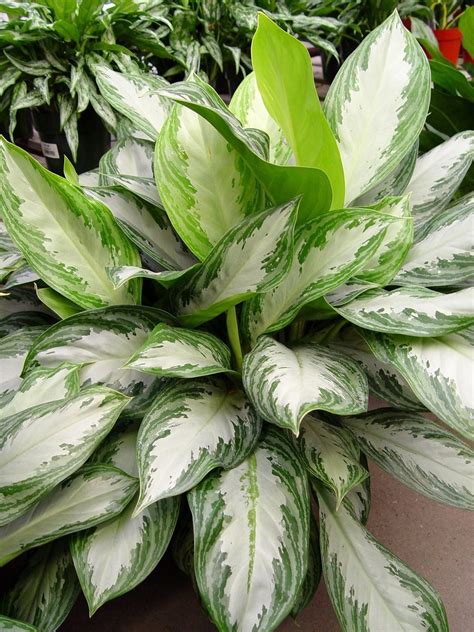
(294, 261)
(48, 50)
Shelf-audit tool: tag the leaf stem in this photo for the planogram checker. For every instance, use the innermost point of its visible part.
(234, 338)
(296, 330)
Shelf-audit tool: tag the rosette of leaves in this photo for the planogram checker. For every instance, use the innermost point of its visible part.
(219, 336)
(48, 48)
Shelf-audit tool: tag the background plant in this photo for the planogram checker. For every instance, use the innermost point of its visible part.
(282, 282)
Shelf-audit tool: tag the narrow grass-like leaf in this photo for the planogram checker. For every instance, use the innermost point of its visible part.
(116, 556)
(202, 204)
(252, 257)
(134, 97)
(284, 384)
(285, 80)
(43, 445)
(281, 183)
(443, 253)
(46, 589)
(328, 251)
(176, 352)
(332, 455)
(93, 495)
(193, 427)
(413, 311)
(437, 175)
(251, 534)
(248, 106)
(370, 588)
(439, 370)
(418, 453)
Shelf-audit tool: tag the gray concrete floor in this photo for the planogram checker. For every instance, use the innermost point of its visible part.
(434, 540)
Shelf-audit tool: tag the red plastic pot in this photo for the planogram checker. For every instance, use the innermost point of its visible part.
(467, 58)
(449, 41)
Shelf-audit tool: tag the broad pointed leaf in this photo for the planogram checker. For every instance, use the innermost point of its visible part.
(13, 351)
(40, 447)
(42, 385)
(437, 176)
(146, 226)
(284, 384)
(252, 257)
(133, 96)
(120, 450)
(176, 352)
(166, 278)
(83, 240)
(413, 311)
(251, 534)
(328, 251)
(193, 427)
(23, 320)
(101, 341)
(358, 500)
(93, 495)
(116, 556)
(20, 300)
(57, 303)
(202, 203)
(332, 455)
(281, 183)
(285, 80)
(46, 590)
(12, 625)
(443, 254)
(313, 574)
(439, 370)
(385, 382)
(370, 588)
(418, 453)
(377, 105)
(248, 106)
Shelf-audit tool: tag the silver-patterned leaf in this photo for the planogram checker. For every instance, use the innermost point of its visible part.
(328, 251)
(418, 453)
(46, 589)
(443, 253)
(120, 450)
(439, 370)
(284, 384)
(93, 495)
(12, 625)
(370, 588)
(116, 556)
(251, 535)
(176, 352)
(82, 237)
(166, 278)
(252, 257)
(193, 427)
(42, 446)
(203, 204)
(437, 176)
(331, 455)
(377, 105)
(413, 311)
(13, 350)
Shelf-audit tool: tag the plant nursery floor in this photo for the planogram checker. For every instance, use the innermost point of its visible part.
(435, 540)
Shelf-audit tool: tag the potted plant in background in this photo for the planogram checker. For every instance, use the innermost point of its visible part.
(46, 51)
(446, 14)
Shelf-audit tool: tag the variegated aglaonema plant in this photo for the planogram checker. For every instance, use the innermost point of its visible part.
(218, 334)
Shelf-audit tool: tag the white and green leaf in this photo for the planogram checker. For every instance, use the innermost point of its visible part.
(43, 445)
(328, 251)
(370, 588)
(193, 427)
(252, 257)
(177, 352)
(439, 371)
(251, 535)
(332, 455)
(46, 590)
(418, 453)
(413, 311)
(437, 176)
(93, 495)
(14, 348)
(82, 237)
(377, 105)
(120, 450)
(116, 556)
(284, 384)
